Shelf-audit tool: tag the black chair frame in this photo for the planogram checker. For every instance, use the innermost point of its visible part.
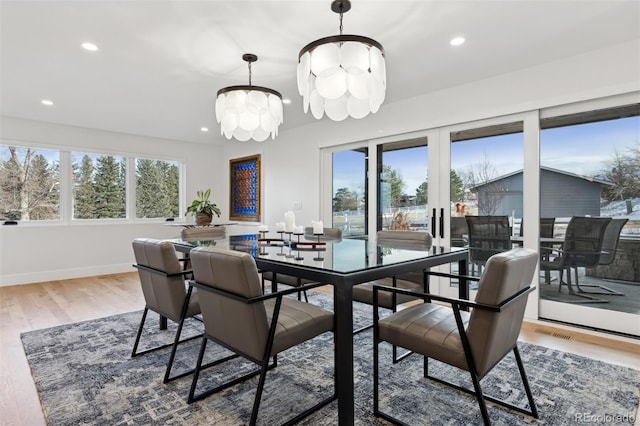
(176, 341)
(395, 357)
(263, 363)
(275, 278)
(457, 305)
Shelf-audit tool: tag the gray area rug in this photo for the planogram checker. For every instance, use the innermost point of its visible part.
(84, 375)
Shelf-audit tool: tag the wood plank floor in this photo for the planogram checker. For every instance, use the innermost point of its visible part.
(34, 306)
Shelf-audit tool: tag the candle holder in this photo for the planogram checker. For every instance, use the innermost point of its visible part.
(318, 257)
(282, 245)
(298, 257)
(290, 255)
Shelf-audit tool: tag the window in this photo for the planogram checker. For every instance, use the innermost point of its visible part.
(99, 186)
(349, 183)
(402, 185)
(35, 183)
(29, 184)
(157, 188)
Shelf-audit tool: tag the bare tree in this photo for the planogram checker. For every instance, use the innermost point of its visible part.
(484, 174)
(29, 186)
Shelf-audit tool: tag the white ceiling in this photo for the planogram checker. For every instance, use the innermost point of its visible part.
(161, 63)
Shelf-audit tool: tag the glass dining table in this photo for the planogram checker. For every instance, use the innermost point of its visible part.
(341, 263)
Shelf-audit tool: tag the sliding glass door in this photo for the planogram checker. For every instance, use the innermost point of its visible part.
(480, 181)
(527, 175)
(590, 166)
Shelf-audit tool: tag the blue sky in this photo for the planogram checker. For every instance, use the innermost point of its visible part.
(583, 149)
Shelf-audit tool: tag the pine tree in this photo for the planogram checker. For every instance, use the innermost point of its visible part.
(109, 187)
(85, 195)
(150, 194)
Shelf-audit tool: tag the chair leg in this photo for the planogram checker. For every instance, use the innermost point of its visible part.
(196, 372)
(606, 291)
(258, 397)
(525, 382)
(376, 408)
(174, 348)
(480, 397)
(135, 345)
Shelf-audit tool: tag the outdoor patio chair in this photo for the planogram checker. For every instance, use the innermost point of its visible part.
(609, 249)
(488, 235)
(582, 248)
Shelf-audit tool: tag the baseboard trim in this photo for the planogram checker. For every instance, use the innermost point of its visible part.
(63, 274)
(576, 333)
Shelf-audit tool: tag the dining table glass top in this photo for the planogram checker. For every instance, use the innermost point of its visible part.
(345, 255)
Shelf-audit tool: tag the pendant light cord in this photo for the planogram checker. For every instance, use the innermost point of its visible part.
(249, 64)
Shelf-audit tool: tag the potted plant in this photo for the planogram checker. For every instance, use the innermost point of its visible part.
(202, 208)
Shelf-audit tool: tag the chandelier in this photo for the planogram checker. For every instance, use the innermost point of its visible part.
(342, 75)
(249, 112)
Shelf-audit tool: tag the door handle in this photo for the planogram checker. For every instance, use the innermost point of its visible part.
(433, 222)
(442, 223)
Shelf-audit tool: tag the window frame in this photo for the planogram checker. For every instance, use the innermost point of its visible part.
(66, 182)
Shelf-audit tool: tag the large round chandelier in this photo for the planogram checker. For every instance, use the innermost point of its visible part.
(249, 112)
(342, 75)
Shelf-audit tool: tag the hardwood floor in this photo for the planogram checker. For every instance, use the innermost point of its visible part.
(34, 306)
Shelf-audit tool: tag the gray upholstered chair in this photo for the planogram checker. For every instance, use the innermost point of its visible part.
(203, 232)
(474, 342)
(254, 326)
(330, 234)
(165, 292)
(415, 280)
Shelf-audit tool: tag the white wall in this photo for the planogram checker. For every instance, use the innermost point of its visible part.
(33, 252)
(291, 162)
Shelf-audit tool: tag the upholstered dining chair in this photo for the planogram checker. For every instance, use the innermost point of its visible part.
(415, 280)
(254, 326)
(474, 342)
(165, 292)
(582, 248)
(203, 232)
(488, 235)
(329, 234)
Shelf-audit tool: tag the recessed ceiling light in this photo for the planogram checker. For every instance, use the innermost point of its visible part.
(286, 101)
(89, 46)
(457, 41)
(46, 102)
(204, 129)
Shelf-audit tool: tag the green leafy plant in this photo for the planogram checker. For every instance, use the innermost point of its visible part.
(203, 205)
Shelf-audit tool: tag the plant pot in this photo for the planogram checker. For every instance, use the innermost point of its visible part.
(203, 219)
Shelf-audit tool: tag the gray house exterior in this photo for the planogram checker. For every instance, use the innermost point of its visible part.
(562, 194)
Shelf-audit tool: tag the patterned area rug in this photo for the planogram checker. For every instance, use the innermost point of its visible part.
(84, 375)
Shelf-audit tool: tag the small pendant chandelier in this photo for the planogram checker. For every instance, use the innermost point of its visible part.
(249, 112)
(342, 75)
